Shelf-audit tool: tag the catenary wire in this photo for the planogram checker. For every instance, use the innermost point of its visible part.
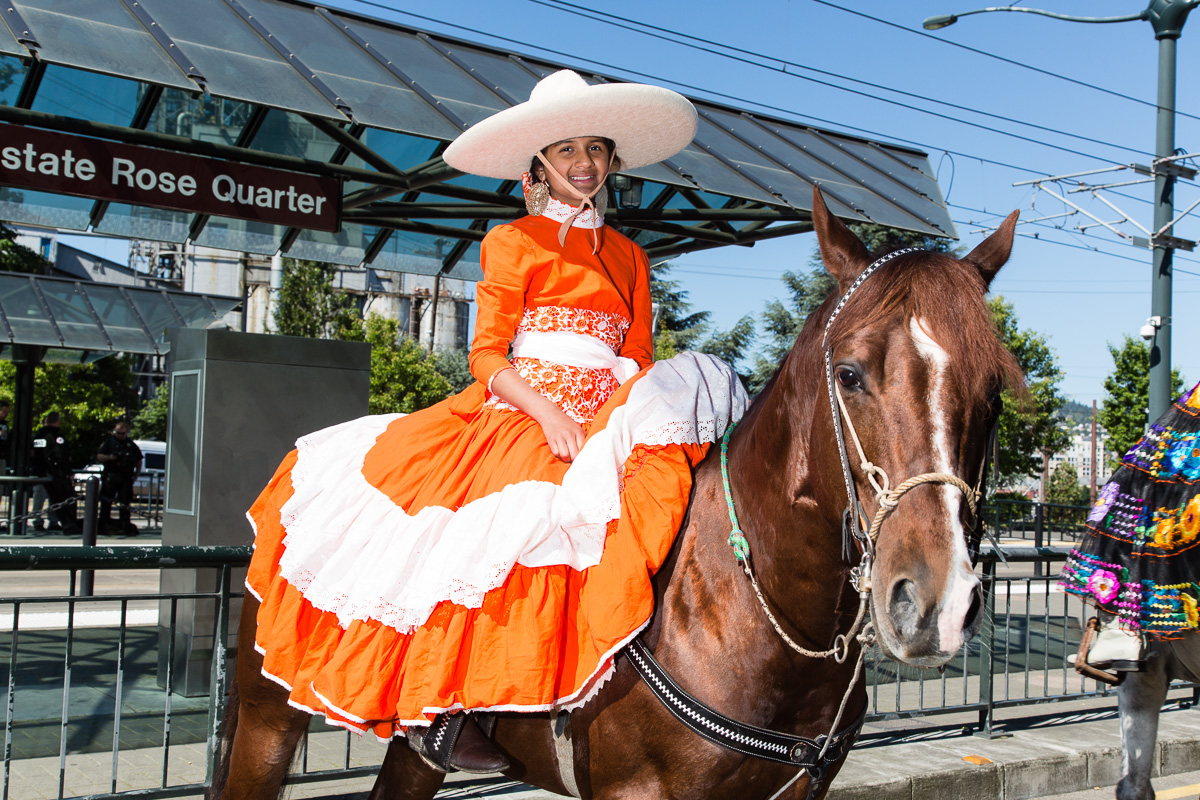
(710, 92)
(647, 29)
(1000, 58)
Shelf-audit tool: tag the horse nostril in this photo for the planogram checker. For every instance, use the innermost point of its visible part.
(903, 608)
(974, 616)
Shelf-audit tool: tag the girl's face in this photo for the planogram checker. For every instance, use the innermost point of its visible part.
(584, 161)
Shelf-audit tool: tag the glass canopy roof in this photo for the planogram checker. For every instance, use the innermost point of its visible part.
(296, 86)
(83, 321)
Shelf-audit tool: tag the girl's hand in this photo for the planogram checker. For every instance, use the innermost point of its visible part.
(564, 435)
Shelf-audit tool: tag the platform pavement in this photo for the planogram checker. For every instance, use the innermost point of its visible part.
(1041, 751)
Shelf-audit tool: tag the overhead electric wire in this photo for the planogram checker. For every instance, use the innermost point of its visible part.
(1000, 58)
(645, 29)
(710, 92)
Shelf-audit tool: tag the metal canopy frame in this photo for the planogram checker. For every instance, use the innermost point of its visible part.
(745, 178)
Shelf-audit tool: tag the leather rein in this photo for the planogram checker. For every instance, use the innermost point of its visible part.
(814, 756)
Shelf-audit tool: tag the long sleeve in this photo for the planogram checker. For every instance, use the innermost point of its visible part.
(639, 342)
(500, 297)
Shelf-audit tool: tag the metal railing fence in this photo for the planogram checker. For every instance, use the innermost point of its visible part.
(90, 671)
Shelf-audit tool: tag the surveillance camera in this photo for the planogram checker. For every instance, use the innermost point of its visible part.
(1147, 331)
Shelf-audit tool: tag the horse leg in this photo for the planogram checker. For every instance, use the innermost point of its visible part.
(265, 729)
(404, 776)
(1139, 698)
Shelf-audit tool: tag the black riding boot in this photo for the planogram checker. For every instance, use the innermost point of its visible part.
(456, 742)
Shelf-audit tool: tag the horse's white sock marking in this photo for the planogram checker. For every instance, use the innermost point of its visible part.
(961, 581)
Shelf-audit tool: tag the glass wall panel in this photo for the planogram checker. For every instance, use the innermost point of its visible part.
(140, 222)
(346, 247)
(245, 236)
(205, 118)
(290, 135)
(42, 208)
(87, 95)
(12, 74)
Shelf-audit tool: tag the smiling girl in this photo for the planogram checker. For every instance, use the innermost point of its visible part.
(494, 551)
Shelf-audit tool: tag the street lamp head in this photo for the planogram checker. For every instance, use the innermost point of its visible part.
(939, 21)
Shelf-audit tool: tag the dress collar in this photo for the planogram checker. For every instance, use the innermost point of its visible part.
(559, 211)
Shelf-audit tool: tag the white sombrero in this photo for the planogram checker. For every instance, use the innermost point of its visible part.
(647, 123)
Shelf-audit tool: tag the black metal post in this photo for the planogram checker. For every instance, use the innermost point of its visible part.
(987, 651)
(91, 496)
(1039, 534)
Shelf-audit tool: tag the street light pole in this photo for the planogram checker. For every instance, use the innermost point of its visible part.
(1167, 17)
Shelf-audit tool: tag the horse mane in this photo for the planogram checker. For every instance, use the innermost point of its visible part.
(949, 296)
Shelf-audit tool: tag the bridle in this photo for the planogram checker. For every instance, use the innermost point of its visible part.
(886, 498)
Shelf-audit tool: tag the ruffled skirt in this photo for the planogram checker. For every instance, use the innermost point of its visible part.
(408, 565)
(1140, 555)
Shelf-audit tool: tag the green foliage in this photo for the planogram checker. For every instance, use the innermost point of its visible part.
(310, 305)
(404, 377)
(1064, 487)
(17, 257)
(679, 328)
(90, 398)
(1030, 428)
(783, 322)
(1127, 395)
(151, 421)
(455, 367)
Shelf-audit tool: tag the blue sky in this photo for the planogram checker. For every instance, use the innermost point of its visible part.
(986, 124)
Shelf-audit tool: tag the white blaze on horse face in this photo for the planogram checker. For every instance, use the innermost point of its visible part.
(960, 579)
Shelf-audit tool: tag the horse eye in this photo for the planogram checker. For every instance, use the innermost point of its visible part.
(848, 378)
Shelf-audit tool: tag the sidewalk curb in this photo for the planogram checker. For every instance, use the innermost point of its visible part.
(1027, 764)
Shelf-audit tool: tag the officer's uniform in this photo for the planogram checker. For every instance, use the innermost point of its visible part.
(52, 459)
(116, 484)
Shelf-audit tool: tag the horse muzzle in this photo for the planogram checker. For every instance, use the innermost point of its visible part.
(928, 631)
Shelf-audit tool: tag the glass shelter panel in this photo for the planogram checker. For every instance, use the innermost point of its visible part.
(142, 222)
(24, 312)
(87, 95)
(45, 209)
(119, 320)
(234, 60)
(100, 37)
(75, 322)
(247, 236)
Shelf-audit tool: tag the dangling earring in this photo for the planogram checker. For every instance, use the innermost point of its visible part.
(600, 201)
(537, 195)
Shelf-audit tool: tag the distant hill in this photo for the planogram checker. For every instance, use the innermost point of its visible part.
(1076, 412)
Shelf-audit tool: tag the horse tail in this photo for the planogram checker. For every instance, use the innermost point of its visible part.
(221, 759)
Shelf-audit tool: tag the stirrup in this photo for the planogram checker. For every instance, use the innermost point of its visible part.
(1105, 672)
(435, 744)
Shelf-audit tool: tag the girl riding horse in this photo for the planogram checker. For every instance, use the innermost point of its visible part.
(493, 552)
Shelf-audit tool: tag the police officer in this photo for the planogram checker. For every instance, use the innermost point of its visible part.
(52, 459)
(122, 460)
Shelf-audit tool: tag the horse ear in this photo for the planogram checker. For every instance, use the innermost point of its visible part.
(844, 255)
(993, 252)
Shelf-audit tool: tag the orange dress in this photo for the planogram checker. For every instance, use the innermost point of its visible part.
(412, 564)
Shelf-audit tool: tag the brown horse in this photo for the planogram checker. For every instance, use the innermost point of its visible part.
(915, 360)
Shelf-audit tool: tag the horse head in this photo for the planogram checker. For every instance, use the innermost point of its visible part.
(914, 371)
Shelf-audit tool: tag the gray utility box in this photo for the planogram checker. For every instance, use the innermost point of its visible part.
(238, 403)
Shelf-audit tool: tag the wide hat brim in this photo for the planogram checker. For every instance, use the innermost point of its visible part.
(647, 124)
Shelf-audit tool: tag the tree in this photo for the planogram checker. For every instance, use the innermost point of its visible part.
(680, 328)
(1064, 487)
(90, 398)
(1127, 395)
(310, 305)
(404, 377)
(1030, 429)
(455, 367)
(784, 321)
(151, 421)
(17, 257)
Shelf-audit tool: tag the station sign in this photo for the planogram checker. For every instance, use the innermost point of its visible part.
(48, 161)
